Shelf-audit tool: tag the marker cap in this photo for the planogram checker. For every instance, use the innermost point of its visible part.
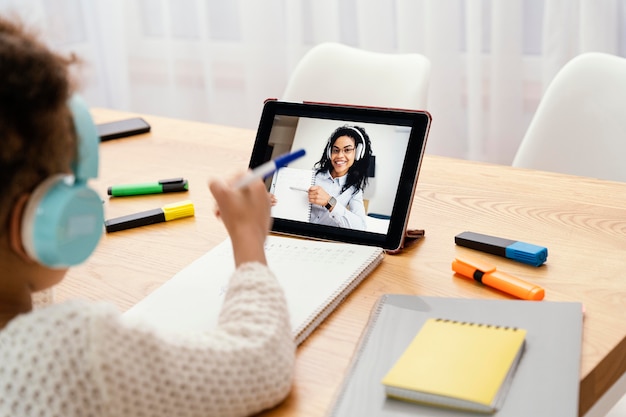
(527, 253)
(283, 160)
(178, 210)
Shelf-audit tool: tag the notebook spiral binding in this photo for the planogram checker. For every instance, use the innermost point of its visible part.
(468, 323)
(337, 298)
(312, 184)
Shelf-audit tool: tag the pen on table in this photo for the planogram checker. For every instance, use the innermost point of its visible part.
(488, 275)
(268, 168)
(163, 214)
(162, 186)
(306, 190)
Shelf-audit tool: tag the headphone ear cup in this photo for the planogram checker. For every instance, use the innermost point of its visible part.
(328, 151)
(359, 152)
(62, 222)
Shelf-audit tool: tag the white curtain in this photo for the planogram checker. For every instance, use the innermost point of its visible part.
(216, 61)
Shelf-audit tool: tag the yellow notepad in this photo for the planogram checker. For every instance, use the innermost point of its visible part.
(458, 365)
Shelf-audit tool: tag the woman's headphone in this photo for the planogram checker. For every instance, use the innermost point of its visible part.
(63, 218)
(360, 145)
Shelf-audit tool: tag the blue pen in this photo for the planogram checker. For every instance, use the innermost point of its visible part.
(268, 168)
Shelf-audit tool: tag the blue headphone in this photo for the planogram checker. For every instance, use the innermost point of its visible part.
(360, 144)
(63, 218)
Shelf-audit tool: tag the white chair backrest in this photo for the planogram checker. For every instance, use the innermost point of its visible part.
(580, 125)
(336, 73)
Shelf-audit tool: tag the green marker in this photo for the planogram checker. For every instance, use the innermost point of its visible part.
(162, 186)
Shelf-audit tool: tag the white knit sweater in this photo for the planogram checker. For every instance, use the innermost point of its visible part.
(78, 359)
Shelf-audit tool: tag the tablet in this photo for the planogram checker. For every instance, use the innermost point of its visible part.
(355, 183)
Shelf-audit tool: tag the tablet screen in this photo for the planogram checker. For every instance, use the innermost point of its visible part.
(356, 181)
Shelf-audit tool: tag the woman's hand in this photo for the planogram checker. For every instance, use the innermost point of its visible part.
(319, 196)
(246, 215)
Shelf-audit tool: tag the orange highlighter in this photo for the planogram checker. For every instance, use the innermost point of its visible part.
(487, 274)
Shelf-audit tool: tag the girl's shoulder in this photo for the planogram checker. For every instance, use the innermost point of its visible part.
(76, 308)
(54, 346)
(68, 316)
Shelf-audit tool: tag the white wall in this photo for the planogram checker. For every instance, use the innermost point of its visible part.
(216, 61)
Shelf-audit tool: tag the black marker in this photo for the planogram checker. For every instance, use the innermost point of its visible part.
(518, 251)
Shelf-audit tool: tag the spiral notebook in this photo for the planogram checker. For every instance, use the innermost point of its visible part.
(290, 188)
(457, 364)
(546, 381)
(315, 275)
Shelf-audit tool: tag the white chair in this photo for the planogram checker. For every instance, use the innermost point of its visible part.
(336, 73)
(579, 127)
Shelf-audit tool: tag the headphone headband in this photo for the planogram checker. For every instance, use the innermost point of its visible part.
(86, 164)
(358, 132)
(360, 147)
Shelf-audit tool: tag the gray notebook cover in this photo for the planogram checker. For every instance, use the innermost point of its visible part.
(546, 383)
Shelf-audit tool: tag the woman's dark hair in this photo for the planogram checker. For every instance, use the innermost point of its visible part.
(357, 174)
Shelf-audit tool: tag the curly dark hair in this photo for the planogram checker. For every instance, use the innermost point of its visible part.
(357, 174)
(37, 136)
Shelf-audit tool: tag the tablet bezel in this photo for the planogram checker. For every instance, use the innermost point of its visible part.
(418, 120)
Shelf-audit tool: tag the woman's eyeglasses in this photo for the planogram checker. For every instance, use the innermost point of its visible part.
(347, 151)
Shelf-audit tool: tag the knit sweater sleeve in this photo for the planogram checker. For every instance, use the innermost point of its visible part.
(78, 359)
(241, 367)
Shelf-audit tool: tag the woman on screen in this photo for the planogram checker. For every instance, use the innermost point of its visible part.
(340, 178)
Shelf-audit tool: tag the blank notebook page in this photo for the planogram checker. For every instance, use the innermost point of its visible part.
(315, 276)
(291, 202)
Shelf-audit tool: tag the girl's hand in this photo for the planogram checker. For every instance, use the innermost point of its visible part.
(246, 215)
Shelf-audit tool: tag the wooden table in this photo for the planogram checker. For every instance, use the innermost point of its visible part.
(582, 221)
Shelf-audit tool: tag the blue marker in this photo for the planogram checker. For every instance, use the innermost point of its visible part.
(518, 251)
(265, 170)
